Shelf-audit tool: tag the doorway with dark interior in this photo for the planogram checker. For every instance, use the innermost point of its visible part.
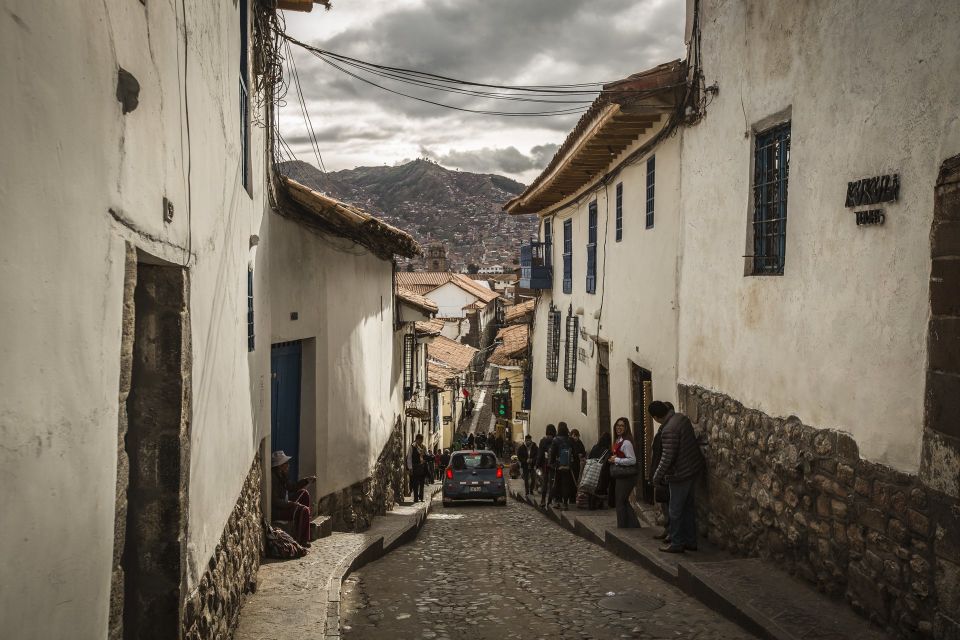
(641, 388)
(603, 388)
(285, 370)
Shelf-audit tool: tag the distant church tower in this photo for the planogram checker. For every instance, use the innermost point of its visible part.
(435, 257)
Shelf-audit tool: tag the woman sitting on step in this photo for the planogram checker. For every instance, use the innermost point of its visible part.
(290, 500)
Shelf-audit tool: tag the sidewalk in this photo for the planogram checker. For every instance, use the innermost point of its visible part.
(300, 598)
(759, 597)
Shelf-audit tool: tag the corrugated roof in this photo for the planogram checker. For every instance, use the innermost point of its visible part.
(416, 300)
(315, 209)
(513, 348)
(522, 312)
(450, 353)
(624, 110)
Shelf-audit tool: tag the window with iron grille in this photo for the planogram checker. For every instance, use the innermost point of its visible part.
(570, 355)
(548, 242)
(568, 256)
(771, 171)
(553, 344)
(592, 248)
(409, 345)
(250, 334)
(651, 179)
(619, 217)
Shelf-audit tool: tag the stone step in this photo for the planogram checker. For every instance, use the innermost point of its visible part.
(321, 527)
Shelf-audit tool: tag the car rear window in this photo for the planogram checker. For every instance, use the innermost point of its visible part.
(474, 461)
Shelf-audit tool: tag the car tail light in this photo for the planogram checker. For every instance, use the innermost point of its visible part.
(500, 472)
(449, 474)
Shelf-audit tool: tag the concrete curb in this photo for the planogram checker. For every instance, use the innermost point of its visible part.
(375, 549)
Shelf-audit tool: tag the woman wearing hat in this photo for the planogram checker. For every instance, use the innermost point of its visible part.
(282, 506)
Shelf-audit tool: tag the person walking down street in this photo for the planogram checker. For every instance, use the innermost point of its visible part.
(681, 464)
(417, 467)
(601, 450)
(544, 465)
(661, 493)
(579, 449)
(624, 474)
(437, 466)
(290, 499)
(498, 445)
(471, 441)
(566, 465)
(527, 456)
(428, 466)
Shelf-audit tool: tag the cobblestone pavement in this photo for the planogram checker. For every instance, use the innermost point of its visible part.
(502, 572)
(483, 413)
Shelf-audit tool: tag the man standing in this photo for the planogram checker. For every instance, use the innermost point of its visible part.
(416, 465)
(681, 464)
(527, 456)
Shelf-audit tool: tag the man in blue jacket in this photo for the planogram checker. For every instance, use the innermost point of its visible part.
(680, 465)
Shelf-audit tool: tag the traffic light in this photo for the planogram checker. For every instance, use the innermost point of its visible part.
(502, 405)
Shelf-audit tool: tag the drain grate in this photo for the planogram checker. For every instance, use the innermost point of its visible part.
(631, 603)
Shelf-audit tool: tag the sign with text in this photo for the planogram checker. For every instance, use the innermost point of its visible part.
(870, 191)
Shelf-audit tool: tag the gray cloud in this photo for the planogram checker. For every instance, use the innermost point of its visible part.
(508, 160)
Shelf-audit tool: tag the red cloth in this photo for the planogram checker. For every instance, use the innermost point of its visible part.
(299, 513)
(616, 449)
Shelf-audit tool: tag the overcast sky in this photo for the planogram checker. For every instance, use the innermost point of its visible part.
(493, 41)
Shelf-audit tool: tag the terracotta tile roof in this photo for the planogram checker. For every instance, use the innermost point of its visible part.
(437, 375)
(424, 282)
(315, 209)
(416, 300)
(513, 348)
(522, 312)
(470, 286)
(431, 327)
(451, 353)
(624, 110)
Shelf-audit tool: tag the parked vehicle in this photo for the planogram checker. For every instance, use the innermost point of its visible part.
(474, 475)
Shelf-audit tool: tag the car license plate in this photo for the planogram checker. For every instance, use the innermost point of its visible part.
(475, 489)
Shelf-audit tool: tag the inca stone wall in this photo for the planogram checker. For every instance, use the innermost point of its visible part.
(353, 508)
(803, 498)
(213, 610)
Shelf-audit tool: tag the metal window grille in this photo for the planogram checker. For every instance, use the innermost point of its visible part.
(568, 256)
(770, 174)
(548, 242)
(408, 351)
(619, 217)
(527, 391)
(592, 248)
(251, 342)
(570, 355)
(651, 179)
(553, 344)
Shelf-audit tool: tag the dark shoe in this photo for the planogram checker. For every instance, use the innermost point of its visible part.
(543, 505)
(306, 544)
(662, 536)
(669, 548)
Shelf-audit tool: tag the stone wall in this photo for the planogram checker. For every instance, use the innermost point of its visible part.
(353, 508)
(803, 498)
(213, 610)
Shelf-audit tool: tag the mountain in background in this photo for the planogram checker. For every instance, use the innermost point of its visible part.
(432, 203)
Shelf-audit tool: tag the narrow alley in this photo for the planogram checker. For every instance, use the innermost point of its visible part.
(496, 573)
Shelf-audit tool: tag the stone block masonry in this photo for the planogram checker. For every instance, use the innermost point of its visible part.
(802, 498)
(213, 610)
(353, 508)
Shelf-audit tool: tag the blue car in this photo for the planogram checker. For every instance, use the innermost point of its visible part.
(474, 475)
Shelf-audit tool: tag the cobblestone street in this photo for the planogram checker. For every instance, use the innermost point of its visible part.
(498, 572)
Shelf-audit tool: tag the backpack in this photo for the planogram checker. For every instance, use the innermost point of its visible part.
(563, 456)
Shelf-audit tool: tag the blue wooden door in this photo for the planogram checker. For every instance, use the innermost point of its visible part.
(285, 361)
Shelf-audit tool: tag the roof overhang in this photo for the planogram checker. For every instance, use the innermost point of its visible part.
(624, 111)
(301, 5)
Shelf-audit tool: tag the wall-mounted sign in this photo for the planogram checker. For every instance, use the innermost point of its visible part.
(873, 190)
(521, 415)
(446, 419)
(872, 216)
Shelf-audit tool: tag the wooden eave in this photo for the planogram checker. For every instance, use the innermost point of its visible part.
(623, 112)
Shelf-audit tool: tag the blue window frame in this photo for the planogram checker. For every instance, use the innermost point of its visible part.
(651, 179)
(619, 217)
(548, 242)
(568, 256)
(592, 248)
(771, 171)
(251, 342)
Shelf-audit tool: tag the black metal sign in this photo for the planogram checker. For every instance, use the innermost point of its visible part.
(872, 216)
(873, 191)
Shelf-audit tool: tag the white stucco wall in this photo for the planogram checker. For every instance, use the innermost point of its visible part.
(451, 299)
(638, 293)
(69, 157)
(342, 294)
(839, 339)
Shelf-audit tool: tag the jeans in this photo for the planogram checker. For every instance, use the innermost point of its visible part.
(529, 478)
(416, 485)
(626, 516)
(683, 513)
(547, 485)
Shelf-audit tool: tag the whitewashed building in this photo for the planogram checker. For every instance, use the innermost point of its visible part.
(468, 307)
